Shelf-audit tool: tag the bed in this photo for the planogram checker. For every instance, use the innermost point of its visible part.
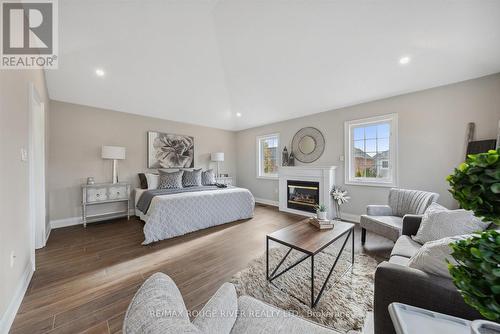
(170, 213)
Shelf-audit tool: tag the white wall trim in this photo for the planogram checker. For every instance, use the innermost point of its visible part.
(350, 217)
(48, 234)
(266, 201)
(11, 311)
(65, 222)
(72, 221)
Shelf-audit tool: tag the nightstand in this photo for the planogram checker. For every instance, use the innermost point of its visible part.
(102, 194)
(227, 180)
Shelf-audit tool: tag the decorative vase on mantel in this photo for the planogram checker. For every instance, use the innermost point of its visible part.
(284, 157)
(291, 159)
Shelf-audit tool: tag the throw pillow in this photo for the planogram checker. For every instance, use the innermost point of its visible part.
(438, 222)
(152, 180)
(171, 180)
(208, 177)
(431, 257)
(143, 181)
(191, 178)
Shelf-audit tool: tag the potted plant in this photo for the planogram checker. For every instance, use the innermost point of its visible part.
(321, 211)
(340, 197)
(475, 184)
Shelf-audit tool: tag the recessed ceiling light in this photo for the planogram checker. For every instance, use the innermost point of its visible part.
(404, 60)
(99, 72)
(238, 114)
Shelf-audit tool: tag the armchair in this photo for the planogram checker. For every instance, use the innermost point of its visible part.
(387, 220)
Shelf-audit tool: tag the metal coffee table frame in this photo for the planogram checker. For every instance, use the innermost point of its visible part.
(273, 276)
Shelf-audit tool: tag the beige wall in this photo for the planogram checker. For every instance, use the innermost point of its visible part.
(14, 198)
(432, 128)
(77, 133)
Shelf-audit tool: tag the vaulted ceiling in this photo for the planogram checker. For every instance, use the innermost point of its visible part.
(207, 61)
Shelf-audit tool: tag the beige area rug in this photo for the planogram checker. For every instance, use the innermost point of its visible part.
(346, 298)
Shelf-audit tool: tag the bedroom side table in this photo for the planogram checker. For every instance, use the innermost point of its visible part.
(101, 194)
(227, 180)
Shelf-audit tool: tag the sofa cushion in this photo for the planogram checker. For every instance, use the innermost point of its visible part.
(438, 222)
(258, 317)
(432, 256)
(405, 246)
(400, 260)
(156, 308)
(388, 226)
(219, 313)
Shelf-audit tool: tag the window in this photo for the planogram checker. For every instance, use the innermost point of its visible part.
(267, 156)
(371, 149)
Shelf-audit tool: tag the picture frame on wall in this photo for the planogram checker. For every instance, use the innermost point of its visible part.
(166, 150)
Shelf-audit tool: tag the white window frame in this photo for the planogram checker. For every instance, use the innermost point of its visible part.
(260, 171)
(392, 119)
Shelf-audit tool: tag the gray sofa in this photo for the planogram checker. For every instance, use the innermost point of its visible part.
(387, 220)
(158, 307)
(396, 282)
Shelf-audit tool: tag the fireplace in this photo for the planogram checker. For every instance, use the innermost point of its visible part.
(303, 195)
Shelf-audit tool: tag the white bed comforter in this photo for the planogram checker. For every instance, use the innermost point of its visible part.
(172, 215)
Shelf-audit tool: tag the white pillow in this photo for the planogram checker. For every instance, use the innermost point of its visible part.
(153, 180)
(438, 222)
(431, 257)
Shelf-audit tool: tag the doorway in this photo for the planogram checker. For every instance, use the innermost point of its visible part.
(37, 171)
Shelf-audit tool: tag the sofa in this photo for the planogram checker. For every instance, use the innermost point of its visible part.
(158, 307)
(387, 220)
(396, 282)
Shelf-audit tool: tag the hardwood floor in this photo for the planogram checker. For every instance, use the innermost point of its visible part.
(85, 278)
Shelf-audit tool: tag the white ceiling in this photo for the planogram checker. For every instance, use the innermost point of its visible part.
(204, 61)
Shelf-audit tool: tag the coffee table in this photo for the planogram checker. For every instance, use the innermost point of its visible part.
(306, 238)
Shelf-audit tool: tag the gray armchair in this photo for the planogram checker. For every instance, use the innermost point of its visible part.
(387, 220)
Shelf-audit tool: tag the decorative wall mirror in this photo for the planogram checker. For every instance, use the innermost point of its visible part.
(308, 144)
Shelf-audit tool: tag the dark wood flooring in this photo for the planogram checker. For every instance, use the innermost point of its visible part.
(85, 278)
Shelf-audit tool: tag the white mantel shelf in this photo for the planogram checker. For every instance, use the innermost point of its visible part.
(324, 175)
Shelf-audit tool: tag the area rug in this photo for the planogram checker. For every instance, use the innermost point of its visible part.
(346, 298)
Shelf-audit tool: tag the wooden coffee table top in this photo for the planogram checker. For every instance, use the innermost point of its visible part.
(309, 239)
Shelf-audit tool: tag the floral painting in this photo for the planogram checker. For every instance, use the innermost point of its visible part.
(170, 150)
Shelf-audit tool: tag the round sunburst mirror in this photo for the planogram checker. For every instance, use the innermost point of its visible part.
(308, 144)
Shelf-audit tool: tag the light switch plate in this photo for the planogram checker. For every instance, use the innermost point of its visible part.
(341, 158)
(24, 154)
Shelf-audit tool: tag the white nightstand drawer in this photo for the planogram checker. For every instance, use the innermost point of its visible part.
(119, 192)
(96, 194)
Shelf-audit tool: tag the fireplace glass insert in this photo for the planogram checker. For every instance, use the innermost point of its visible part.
(303, 195)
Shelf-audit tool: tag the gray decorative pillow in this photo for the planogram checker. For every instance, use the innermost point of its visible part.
(191, 178)
(170, 180)
(208, 177)
(438, 222)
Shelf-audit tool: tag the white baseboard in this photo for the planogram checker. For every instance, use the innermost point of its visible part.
(10, 313)
(266, 201)
(350, 217)
(48, 234)
(65, 222)
(71, 221)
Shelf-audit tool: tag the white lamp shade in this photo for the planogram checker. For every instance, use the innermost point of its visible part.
(113, 152)
(217, 156)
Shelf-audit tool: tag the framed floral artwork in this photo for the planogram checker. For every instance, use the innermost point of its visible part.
(167, 150)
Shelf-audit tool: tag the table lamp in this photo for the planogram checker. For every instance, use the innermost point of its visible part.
(114, 153)
(218, 157)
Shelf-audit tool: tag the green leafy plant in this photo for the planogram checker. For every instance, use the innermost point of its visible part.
(321, 208)
(477, 275)
(475, 184)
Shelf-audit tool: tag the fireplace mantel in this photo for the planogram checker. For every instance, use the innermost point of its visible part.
(324, 175)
